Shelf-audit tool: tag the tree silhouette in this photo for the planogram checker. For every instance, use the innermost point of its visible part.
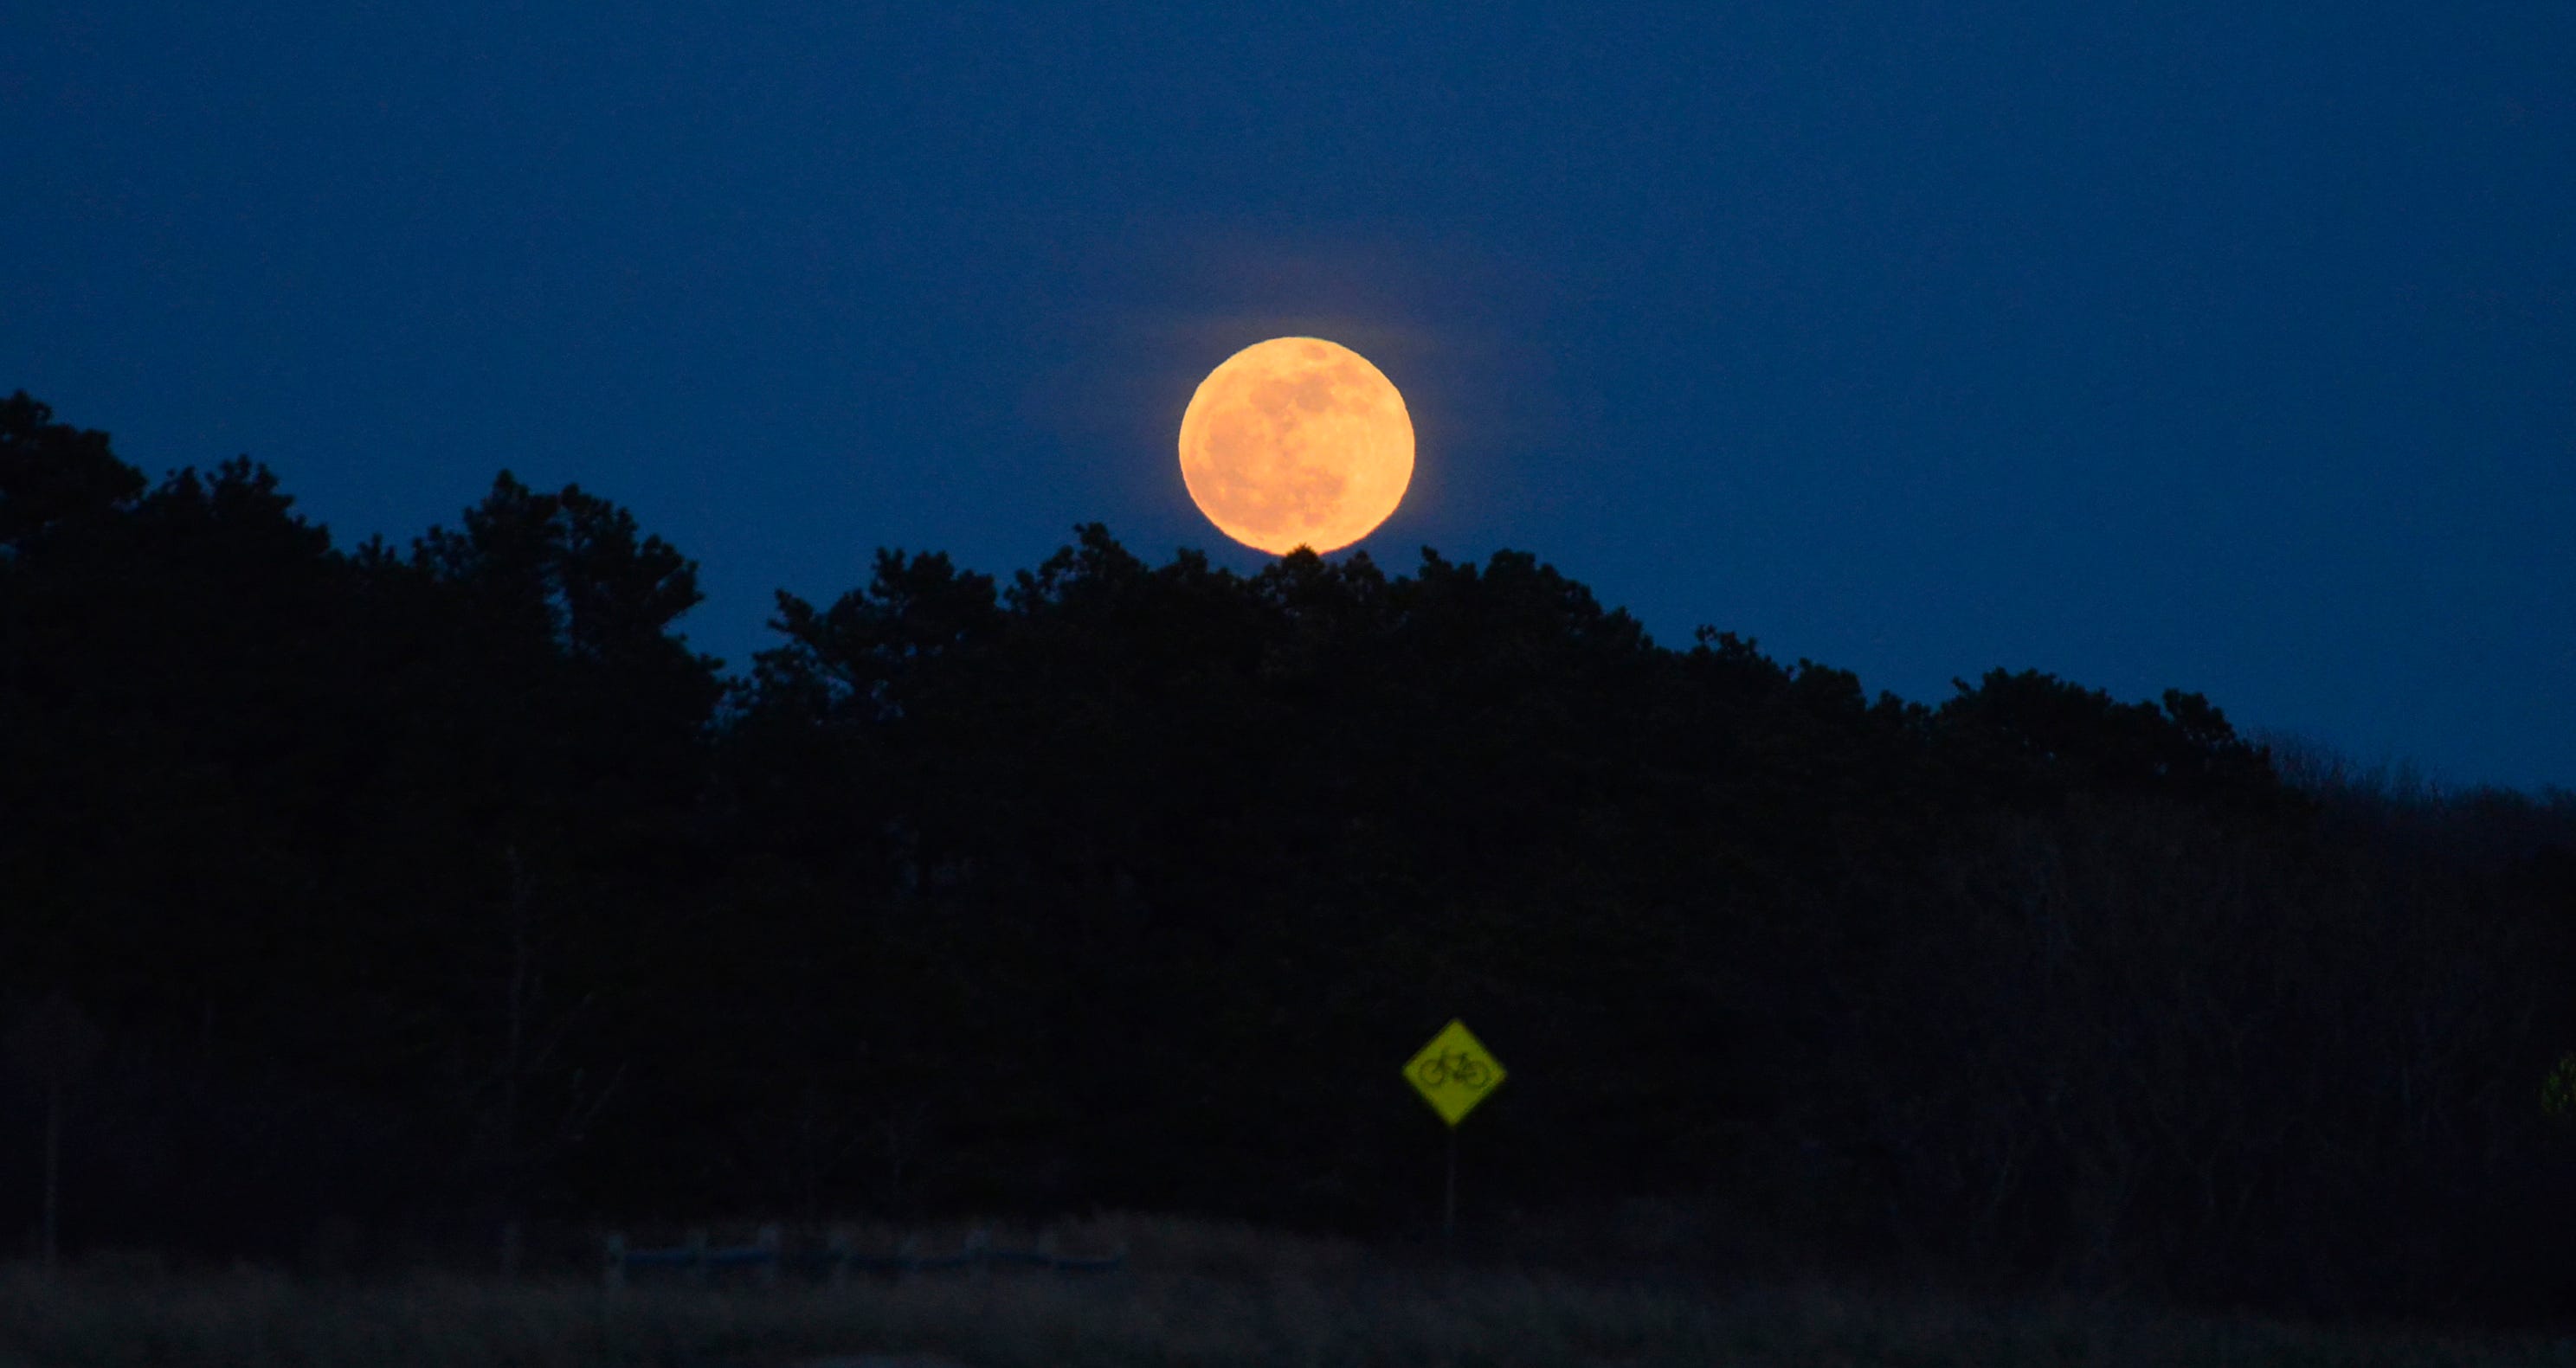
(442, 885)
(52, 1045)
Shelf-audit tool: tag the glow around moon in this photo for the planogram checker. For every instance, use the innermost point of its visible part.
(1296, 442)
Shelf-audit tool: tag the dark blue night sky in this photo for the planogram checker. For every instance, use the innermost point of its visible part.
(2150, 345)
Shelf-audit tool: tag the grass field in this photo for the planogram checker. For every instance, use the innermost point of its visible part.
(1191, 1293)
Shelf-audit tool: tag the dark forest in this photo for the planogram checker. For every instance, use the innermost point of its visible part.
(411, 891)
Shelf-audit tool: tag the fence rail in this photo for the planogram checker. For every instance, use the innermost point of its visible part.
(768, 1255)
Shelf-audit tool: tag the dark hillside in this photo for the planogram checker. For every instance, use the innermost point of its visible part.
(411, 890)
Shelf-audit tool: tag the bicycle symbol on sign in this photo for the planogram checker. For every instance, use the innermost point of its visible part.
(1458, 1066)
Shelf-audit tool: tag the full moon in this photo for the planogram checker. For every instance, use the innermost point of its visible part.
(1296, 442)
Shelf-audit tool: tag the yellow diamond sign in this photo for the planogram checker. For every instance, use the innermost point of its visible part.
(1454, 1072)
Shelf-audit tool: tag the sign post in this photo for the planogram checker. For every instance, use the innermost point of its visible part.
(1453, 1073)
(1449, 1193)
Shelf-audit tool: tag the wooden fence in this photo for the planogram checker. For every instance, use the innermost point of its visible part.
(767, 1256)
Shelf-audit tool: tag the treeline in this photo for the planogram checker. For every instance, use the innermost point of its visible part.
(446, 884)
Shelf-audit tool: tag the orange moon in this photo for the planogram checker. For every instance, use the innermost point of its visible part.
(1296, 442)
